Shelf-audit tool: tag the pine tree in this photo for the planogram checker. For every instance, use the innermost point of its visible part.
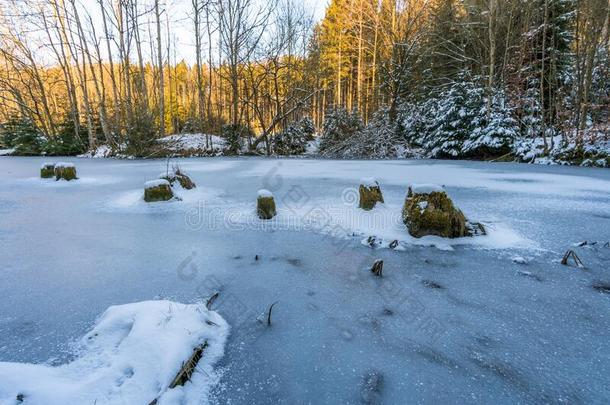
(496, 132)
(459, 111)
(339, 125)
(22, 134)
(293, 140)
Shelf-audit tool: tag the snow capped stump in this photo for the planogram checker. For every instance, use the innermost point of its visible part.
(157, 190)
(47, 170)
(66, 171)
(178, 175)
(185, 181)
(265, 204)
(370, 193)
(429, 211)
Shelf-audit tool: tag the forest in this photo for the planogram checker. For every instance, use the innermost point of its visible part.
(474, 79)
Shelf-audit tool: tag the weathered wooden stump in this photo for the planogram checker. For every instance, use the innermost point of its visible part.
(65, 171)
(265, 204)
(47, 170)
(429, 211)
(177, 175)
(157, 190)
(377, 268)
(370, 193)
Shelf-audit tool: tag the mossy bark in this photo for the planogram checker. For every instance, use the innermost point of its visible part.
(265, 207)
(433, 214)
(47, 171)
(162, 192)
(185, 181)
(66, 173)
(369, 196)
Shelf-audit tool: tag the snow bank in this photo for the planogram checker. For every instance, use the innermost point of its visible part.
(130, 357)
(6, 152)
(64, 164)
(102, 151)
(193, 142)
(156, 183)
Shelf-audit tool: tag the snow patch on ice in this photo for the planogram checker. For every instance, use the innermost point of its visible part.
(384, 223)
(132, 201)
(129, 357)
(82, 181)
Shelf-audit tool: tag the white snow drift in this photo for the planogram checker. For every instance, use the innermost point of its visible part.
(129, 357)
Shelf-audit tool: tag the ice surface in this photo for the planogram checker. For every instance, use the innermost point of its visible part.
(130, 356)
(464, 324)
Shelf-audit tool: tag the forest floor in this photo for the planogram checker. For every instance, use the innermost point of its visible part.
(487, 319)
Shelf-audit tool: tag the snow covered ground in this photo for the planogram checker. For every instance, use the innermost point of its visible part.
(491, 319)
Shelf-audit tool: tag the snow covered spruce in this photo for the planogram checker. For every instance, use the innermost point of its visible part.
(157, 190)
(370, 193)
(47, 170)
(265, 204)
(132, 355)
(65, 171)
(429, 211)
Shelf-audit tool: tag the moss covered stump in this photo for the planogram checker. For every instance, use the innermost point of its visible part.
(370, 193)
(265, 204)
(177, 175)
(185, 181)
(429, 211)
(65, 171)
(157, 190)
(47, 170)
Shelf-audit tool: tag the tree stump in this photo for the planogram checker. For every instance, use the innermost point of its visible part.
(429, 211)
(377, 268)
(157, 190)
(265, 204)
(370, 193)
(65, 171)
(47, 170)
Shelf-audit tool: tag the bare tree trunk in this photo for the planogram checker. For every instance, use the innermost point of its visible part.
(160, 69)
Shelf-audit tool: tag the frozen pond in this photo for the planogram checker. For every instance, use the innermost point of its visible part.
(490, 320)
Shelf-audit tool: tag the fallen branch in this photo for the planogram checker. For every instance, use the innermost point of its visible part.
(187, 369)
(211, 300)
(575, 258)
(269, 313)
